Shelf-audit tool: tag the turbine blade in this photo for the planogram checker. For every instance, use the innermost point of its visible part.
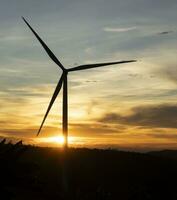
(89, 66)
(55, 94)
(48, 51)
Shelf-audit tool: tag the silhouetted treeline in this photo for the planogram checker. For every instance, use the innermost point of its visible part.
(36, 173)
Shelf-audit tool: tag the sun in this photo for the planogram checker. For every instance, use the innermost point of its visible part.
(57, 140)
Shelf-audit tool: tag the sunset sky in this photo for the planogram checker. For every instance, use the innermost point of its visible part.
(128, 106)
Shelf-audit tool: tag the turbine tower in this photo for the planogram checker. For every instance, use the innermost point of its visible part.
(63, 81)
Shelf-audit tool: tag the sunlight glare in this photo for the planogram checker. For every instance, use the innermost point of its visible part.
(56, 140)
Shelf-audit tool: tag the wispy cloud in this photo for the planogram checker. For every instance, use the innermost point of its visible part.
(162, 116)
(11, 38)
(169, 72)
(165, 32)
(119, 30)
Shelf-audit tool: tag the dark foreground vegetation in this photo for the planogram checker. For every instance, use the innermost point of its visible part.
(33, 173)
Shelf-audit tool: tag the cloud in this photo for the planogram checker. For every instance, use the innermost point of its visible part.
(92, 129)
(156, 116)
(27, 132)
(163, 135)
(169, 72)
(119, 30)
(164, 32)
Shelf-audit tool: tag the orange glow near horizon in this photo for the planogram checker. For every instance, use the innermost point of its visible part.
(104, 142)
(57, 140)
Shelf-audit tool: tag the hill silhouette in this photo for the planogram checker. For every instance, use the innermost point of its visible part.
(37, 173)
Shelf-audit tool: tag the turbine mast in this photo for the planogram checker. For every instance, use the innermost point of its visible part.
(65, 110)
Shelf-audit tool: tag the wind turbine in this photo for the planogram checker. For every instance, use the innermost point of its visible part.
(63, 81)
